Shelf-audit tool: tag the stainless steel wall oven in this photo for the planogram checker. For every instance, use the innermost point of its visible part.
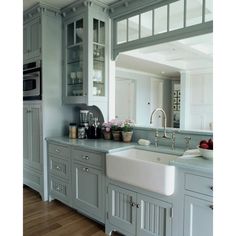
(32, 82)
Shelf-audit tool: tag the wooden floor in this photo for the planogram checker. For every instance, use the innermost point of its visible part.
(55, 219)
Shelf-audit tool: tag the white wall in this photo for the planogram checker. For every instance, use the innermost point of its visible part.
(148, 89)
(125, 97)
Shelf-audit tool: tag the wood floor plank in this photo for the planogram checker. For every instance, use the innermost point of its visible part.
(54, 218)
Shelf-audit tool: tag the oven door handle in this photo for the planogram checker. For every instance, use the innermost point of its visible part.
(35, 74)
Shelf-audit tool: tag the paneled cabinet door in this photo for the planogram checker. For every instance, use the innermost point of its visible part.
(198, 217)
(26, 134)
(32, 140)
(32, 39)
(122, 208)
(87, 190)
(153, 217)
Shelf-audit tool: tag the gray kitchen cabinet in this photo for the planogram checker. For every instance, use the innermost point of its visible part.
(59, 172)
(85, 50)
(42, 41)
(198, 217)
(32, 137)
(88, 190)
(121, 209)
(77, 178)
(154, 217)
(88, 183)
(32, 145)
(133, 213)
(198, 205)
(32, 39)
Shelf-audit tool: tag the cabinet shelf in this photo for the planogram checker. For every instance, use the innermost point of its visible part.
(99, 44)
(97, 82)
(98, 59)
(75, 84)
(74, 61)
(75, 45)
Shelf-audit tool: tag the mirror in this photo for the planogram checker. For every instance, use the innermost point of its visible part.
(176, 76)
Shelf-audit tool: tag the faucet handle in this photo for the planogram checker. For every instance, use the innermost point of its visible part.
(187, 141)
(156, 133)
(173, 135)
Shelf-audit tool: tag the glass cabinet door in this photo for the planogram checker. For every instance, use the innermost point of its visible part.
(98, 58)
(74, 59)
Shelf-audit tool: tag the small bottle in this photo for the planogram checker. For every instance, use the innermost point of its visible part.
(72, 130)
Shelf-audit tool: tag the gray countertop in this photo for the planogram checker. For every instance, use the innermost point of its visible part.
(194, 164)
(108, 146)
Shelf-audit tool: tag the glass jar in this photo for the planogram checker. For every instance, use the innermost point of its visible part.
(72, 130)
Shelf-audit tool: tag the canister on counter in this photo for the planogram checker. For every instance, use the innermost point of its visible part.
(81, 133)
(72, 130)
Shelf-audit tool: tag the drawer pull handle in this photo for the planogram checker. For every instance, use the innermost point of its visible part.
(85, 169)
(211, 188)
(132, 204)
(57, 150)
(58, 168)
(85, 157)
(211, 206)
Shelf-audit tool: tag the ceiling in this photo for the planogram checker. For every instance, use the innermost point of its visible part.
(57, 3)
(169, 59)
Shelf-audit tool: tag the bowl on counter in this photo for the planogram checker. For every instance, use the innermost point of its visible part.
(206, 153)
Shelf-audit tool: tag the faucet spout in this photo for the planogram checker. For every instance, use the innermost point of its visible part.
(164, 114)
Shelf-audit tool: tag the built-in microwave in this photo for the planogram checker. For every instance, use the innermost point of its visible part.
(32, 84)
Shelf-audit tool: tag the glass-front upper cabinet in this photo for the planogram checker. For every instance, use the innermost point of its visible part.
(98, 75)
(85, 55)
(74, 59)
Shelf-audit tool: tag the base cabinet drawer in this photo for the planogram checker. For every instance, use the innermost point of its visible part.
(59, 167)
(59, 190)
(58, 150)
(89, 158)
(198, 217)
(199, 184)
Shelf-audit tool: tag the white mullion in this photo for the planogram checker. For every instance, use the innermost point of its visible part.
(203, 10)
(127, 30)
(185, 12)
(153, 21)
(168, 17)
(139, 26)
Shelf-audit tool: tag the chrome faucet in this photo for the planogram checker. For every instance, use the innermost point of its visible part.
(164, 114)
(164, 132)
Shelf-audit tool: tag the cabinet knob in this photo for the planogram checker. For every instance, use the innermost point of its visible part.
(138, 205)
(57, 150)
(132, 204)
(58, 168)
(85, 157)
(211, 206)
(211, 187)
(85, 169)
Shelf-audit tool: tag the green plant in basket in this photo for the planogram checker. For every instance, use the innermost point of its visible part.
(116, 125)
(127, 126)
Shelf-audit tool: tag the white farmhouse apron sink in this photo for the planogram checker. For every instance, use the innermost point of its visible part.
(144, 169)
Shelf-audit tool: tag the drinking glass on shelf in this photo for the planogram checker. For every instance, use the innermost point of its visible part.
(73, 77)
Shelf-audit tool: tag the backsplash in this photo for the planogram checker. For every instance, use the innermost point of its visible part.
(149, 133)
